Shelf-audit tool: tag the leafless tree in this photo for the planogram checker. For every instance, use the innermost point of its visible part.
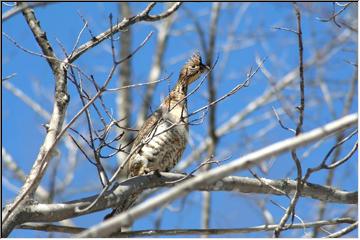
(284, 119)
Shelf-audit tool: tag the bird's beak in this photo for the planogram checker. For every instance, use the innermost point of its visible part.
(205, 67)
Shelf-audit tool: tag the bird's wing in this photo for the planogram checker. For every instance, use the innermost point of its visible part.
(147, 127)
(144, 131)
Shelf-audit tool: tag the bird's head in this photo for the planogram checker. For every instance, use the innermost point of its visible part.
(192, 70)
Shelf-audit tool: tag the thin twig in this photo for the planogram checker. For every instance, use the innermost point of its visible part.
(323, 164)
(344, 231)
(285, 209)
(286, 29)
(206, 204)
(137, 85)
(291, 209)
(126, 22)
(334, 15)
(8, 77)
(344, 159)
(16, 9)
(231, 92)
(269, 185)
(281, 123)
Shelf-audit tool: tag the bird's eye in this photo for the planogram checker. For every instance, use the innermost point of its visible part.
(193, 66)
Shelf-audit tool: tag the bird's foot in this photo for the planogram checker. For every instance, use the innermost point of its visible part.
(157, 173)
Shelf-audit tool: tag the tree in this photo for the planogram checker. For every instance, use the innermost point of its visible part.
(273, 124)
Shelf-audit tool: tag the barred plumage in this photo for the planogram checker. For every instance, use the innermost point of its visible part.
(163, 137)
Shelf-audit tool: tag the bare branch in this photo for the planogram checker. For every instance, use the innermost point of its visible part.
(50, 228)
(344, 159)
(8, 77)
(281, 123)
(291, 209)
(286, 29)
(246, 130)
(180, 232)
(53, 136)
(113, 224)
(330, 176)
(210, 50)
(16, 9)
(55, 124)
(19, 174)
(152, 18)
(136, 85)
(126, 22)
(121, 192)
(323, 164)
(334, 15)
(344, 231)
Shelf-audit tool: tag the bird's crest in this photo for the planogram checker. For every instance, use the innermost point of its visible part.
(194, 60)
(192, 70)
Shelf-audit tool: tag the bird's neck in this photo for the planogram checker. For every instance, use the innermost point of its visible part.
(180, 88)
(177, 96)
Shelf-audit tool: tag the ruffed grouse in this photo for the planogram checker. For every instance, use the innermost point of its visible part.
(162, 138)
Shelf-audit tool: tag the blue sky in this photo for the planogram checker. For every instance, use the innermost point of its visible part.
(255, 36)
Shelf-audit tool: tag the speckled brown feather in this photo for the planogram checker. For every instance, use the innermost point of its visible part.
(150, 122)
(173, 109)
(147, 127)
(167, 128)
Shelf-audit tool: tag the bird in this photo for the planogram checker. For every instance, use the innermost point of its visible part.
(162, 138)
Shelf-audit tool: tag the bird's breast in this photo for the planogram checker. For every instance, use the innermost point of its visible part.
(162, 149)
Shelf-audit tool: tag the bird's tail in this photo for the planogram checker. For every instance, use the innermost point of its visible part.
(128, 203)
